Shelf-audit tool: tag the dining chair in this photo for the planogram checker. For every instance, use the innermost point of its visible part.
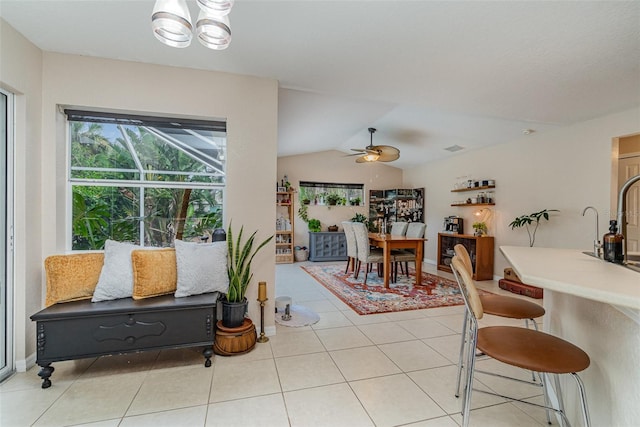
(352, 249)
(414, 229)
(497, 305)
(524, 348)
(398, 228)
(366, 254)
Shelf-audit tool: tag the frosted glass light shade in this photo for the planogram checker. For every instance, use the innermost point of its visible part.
(171, 23)
(371, 157)
(216, 7)
(213, 31)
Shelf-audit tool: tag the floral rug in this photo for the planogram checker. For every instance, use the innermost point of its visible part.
(403, 295)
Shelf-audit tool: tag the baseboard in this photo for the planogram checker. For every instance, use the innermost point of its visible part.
(25, 364)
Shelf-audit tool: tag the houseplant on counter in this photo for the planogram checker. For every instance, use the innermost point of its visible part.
(239, 258)
(480, 227)
(526, 220)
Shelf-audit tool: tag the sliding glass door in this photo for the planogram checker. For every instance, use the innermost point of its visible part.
(6, 295)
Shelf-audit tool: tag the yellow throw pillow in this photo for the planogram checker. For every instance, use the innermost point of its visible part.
(154, 272)
(72, 277)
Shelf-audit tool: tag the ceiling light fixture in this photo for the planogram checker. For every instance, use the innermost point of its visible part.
(171, 23)
(371, 157)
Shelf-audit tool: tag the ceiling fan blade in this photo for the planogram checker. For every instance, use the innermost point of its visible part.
(360, 150)
(361, 160)
(387, 153)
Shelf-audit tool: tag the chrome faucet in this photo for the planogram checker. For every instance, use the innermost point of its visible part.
(597, 246)
(622, 212)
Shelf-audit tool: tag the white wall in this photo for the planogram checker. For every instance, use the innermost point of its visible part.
(21, 74)
(333, 166)
(565, 169)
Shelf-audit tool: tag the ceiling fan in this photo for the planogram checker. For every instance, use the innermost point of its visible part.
(376, 153)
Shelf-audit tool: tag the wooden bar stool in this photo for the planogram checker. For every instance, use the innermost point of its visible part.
(520, 347)
(497, 305)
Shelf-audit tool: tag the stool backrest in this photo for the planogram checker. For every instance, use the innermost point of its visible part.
(352, 248)
(463, 255)
(467, 287)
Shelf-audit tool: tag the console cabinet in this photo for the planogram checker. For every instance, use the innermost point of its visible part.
(480, 250)
(327, 246)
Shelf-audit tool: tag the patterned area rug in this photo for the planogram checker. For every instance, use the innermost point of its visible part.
(403, 295)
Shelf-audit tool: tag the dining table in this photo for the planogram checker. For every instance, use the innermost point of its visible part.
(389, 242)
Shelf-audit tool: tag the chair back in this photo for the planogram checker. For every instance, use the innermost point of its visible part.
(398, 228)
(467, 288)
(463, 255)
(352, 248)
(362, 240)
(416, 229)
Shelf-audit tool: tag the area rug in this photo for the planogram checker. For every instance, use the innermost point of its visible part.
(403, 295)
(300, 316)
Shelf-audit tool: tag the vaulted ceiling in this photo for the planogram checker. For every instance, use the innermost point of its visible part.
(427, 74)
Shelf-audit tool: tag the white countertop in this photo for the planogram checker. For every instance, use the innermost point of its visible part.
(572, 272)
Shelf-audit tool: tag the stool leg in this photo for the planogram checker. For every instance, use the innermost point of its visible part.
(462, 340)
(583, 399)
(471, 363)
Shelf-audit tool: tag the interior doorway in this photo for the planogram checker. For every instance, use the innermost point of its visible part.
(6, 207)
(628, 166)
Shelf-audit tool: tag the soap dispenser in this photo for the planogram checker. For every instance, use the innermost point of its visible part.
(612, 244)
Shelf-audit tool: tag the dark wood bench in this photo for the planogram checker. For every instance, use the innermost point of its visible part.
(81, 329)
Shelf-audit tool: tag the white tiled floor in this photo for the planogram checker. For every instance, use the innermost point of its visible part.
(388, 369)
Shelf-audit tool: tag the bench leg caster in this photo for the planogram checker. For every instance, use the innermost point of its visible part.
(207, 353)
(45, 373)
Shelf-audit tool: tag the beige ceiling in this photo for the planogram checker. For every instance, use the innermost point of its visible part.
(427, 74)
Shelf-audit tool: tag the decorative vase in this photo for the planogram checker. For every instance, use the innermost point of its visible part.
(233, 313)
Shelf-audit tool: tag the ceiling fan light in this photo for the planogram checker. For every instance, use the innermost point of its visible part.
(213, 31)
(171, 23)
(216, 7)
(371, 157)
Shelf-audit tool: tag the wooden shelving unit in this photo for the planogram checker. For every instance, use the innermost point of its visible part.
(284, 227)
(480, 250)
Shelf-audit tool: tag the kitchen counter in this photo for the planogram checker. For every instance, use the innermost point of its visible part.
(572, 272)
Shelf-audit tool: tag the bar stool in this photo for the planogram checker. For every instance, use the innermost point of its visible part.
(497, 305)
(520, 347)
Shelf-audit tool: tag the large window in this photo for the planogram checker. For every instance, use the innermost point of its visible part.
(146, 180)
(325, 193)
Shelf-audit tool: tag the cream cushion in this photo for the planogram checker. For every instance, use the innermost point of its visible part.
(201, 267)
(116, 278)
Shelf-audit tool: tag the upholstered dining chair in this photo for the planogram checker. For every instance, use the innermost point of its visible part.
(414, 229)
(398, 228)
(524, 348)
(352, 249)
(497, 305)
(366, 254)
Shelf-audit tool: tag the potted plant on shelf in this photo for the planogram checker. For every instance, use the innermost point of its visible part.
(239, 258)
(355, 202)
(333, 199)
(480, 227)
(526, 220)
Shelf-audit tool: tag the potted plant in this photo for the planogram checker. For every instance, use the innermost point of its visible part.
(333, 199)
(355, 202)
(239, 258)
(526, 220)
(306, 201)
(314, 225)
(480, 227)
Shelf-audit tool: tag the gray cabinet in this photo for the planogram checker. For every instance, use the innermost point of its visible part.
(327, 246)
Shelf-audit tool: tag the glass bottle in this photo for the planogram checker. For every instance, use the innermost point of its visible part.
(612, 244)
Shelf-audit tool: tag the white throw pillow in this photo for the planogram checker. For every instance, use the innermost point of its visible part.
(202, 268)
(116, 277)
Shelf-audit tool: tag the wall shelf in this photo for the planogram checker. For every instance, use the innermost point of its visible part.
(486, 187)
(474, 204)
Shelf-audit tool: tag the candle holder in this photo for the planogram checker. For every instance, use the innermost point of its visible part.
(262, 337)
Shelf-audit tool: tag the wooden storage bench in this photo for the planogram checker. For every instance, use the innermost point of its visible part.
(80, 329)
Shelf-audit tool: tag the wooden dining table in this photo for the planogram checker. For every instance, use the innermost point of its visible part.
(389, 242)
